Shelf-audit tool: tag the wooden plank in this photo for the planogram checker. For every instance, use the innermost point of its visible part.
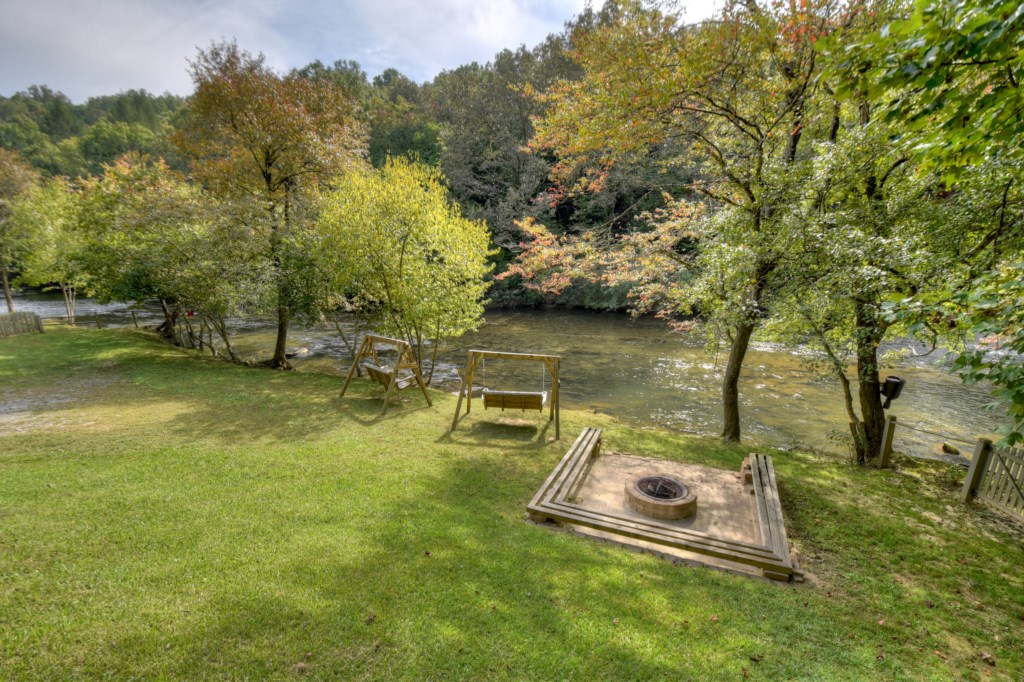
(588, 435)
(1013, 488)
(976, 471)
(996, 472)
(14, 324)
(1007, 494)
(762, 510)
(515, 400)
(514, 356)
(887, 436)
(549, 503)
(697, 543)
(576, 471)
(660, 529)
(775, 509)
(574, 467)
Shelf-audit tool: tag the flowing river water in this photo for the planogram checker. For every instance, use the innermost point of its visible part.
(640, 372)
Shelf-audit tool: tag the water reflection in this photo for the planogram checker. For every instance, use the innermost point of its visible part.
(638, 371)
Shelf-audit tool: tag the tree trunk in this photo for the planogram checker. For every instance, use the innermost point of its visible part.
(730, 383)
(867, 376)
(69, 300)
(7, 288)
(279, 361)
(166, 329)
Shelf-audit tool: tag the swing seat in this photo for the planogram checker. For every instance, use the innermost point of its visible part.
(382, 375)
(515, 400)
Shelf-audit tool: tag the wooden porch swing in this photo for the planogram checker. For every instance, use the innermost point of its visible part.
(513, 400)
(388, 377)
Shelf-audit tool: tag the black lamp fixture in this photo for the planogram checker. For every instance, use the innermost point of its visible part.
(891, 389)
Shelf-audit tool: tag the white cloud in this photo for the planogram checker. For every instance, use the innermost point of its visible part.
(96, 47)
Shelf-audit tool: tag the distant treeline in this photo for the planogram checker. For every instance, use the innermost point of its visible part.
(473, 122)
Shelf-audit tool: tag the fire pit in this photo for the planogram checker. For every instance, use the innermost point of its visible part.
(660, 497)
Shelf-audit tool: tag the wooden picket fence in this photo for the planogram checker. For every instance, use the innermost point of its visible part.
(996, 477)
(12, 324)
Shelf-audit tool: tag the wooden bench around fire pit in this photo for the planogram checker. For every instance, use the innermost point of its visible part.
(556, 502)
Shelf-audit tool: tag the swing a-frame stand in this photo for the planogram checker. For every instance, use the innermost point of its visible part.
(513, 400)
(387, 376)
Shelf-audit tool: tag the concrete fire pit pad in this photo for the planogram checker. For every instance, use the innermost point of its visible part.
(725, 508)
(585, 492)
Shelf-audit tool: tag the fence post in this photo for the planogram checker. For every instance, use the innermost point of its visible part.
(887, 435)
(977, 470)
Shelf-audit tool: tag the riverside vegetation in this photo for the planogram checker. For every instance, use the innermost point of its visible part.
(165, 515)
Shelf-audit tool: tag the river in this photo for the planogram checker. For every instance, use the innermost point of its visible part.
(640, 372)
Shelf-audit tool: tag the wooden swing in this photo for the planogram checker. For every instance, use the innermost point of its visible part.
(387, 377)
(514, 400)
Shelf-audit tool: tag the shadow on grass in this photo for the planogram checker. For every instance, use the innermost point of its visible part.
(509, 433)
(454, 584)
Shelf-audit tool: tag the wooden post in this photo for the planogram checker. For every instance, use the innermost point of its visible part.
(887, 435)
(976, 473)
(464, 391)
(355, 366)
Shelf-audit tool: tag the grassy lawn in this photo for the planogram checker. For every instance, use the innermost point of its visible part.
(164, 515)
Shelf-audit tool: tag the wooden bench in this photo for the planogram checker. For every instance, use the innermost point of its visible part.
(515, 400)
(556, 502)
(587, 445)
(769, 512)
(383, 376)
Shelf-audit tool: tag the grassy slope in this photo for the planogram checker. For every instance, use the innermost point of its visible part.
(165, 515)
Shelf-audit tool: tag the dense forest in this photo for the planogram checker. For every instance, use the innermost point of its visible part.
(827, 173)
(472, 122)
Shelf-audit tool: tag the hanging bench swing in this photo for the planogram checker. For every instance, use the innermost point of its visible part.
(388, 377)
(511, 400)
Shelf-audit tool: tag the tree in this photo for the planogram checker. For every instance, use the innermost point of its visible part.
(950, 75)
(105, 142)
(401, 253)
(16, 178)
(265, 145)
(734, 97)
(48, 213)
(948, 78)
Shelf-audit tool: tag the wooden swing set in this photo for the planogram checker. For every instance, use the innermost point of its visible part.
(387, 377)
(513, 400)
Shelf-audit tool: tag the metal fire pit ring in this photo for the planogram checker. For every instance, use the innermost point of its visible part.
(660, 496)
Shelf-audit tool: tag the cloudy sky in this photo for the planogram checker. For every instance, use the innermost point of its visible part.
(98, 47)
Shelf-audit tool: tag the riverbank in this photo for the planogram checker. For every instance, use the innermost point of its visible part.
(169, 516)
(644, 375)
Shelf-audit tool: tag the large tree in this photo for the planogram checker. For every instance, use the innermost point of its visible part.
(16, 178)
(948, 79)
(735, 97)
(48, 214)
(265, 145)
(402, 255)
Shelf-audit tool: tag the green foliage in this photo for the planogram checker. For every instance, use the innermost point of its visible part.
(992, 309)
(403, 254)
(266, 145)
(105, 142)
(949, 74)
(48, 215)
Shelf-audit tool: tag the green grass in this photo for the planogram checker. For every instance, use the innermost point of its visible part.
(163, 515)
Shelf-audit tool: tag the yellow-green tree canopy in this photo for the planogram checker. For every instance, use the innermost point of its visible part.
(401, 252)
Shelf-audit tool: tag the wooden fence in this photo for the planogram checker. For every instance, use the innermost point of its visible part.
(20, 323)
(996, 477)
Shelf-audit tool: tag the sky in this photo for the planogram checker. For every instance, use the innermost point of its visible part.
(101, 47)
